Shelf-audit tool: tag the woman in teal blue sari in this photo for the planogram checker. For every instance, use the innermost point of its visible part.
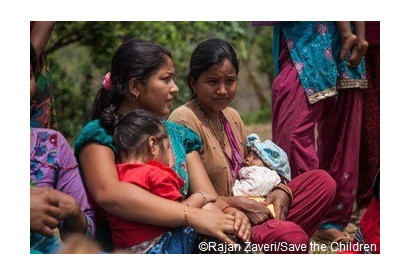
(142, 77)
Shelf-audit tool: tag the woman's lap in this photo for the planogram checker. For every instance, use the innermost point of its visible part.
(313, 193)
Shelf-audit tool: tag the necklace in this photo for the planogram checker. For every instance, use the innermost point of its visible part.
(221, 137)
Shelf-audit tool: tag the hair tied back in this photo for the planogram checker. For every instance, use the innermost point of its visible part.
(117, 120)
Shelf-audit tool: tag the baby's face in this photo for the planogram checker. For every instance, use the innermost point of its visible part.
(253, 160)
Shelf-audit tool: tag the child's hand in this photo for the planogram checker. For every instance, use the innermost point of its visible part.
(242, 225)
(212, 223)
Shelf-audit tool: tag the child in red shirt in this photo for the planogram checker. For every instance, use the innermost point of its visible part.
(143, 159)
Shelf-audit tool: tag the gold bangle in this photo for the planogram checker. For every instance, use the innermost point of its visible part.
(186, 214)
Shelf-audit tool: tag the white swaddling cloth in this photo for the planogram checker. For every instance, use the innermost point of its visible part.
(255, 181)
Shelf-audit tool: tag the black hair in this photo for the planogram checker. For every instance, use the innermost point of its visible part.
(208, 53)
(132, 131)
(33, 58)
(135, 58)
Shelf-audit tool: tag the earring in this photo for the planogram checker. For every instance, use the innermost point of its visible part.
(136, 97)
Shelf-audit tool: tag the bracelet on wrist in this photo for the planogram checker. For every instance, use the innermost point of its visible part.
(186, 214)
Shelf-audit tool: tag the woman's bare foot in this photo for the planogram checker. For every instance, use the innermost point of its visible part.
(358, 52)
(332, 234)
(348, 41)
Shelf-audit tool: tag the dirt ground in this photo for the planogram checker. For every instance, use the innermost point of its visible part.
(264, 132)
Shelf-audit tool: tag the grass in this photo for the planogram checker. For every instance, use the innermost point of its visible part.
(262, 116)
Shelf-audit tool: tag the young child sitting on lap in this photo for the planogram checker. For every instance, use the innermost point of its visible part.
(261, 169)
(143, 159)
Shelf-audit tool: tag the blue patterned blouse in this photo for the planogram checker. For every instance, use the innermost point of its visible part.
(314, 48)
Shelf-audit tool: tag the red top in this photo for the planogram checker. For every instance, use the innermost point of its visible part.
(156, 178)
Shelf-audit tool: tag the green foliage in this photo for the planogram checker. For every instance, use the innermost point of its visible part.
(74, 90)
(261, 116)
(80, 55)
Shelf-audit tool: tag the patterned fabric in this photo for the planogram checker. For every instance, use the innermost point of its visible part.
(314, 48)
(183, 141)
(144, 247)
(40, 244)
(52, 164)
(42, 106)
(271, 154)
(255, 181)
(32, 183)
(178, 241)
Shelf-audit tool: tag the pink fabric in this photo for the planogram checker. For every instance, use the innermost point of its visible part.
(338, 118)
(372, 30)
(339, 148)
(293, 118)
(313, 192)
(235, 162)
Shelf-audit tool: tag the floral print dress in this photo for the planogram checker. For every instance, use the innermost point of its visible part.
(52, 164)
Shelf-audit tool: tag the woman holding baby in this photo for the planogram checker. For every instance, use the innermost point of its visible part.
(299, 204)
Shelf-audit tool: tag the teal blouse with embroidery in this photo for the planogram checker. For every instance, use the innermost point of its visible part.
(314, 48)
(183, 141)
